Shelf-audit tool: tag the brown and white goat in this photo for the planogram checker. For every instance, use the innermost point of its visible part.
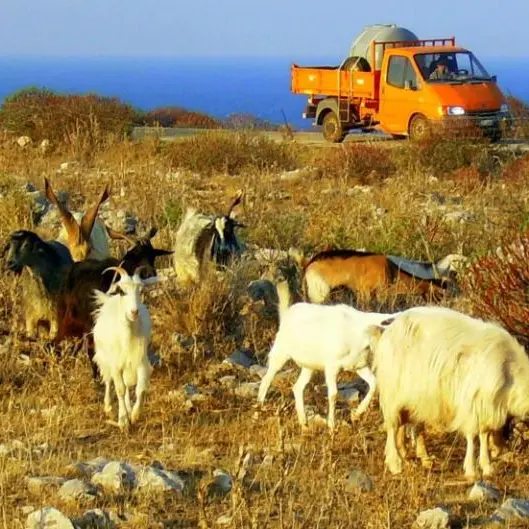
(364, 273)
(84, 234)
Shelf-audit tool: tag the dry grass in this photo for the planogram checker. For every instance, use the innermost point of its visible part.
(401, 213)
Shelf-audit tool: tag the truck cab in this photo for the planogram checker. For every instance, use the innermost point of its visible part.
(421, 88)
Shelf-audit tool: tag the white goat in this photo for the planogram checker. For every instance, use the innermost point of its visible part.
(439, 367)
(122, 333)
(325, 338)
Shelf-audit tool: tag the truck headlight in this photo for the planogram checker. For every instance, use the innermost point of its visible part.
(455, 111)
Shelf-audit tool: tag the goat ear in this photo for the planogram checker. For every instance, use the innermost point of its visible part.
(158, 252)
(152, 232)
(236, 202)
(68, 221)
(88, 220)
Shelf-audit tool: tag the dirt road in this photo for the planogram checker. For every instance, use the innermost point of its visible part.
(304, 137)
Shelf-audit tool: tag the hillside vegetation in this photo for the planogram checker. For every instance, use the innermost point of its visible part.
(422, 201)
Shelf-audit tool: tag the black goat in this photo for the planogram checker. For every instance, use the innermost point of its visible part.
(84, 277)
(225, 246)
(48, 263)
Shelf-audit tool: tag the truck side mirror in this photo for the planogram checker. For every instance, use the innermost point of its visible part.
(494, 78)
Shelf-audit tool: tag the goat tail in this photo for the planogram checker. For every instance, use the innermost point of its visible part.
(285, 300)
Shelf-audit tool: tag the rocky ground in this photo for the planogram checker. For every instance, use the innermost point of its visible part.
(202, 454)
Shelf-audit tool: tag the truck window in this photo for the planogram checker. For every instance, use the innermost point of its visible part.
(400, 70)
(460, 65)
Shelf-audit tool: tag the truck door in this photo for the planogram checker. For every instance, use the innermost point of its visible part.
(400, 93)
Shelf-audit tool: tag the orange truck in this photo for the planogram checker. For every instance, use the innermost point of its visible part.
(394, 82)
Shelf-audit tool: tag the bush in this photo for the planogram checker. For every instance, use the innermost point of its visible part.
(357, 162)
(179, 117)
(520, 112)
(40, 113)
(516, 170)
(230, 153)
(441, 155)
(498, 286)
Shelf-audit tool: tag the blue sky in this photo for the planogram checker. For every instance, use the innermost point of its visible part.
(288, 28)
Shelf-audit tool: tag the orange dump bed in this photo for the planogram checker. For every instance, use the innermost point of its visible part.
(331, 81)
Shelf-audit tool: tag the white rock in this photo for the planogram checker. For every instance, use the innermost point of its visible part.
(44, 145)
(23, 141)
(39, 484)
(459, 216)
(48, 518)
(260, 371)
(359, 480)
(512, 508)
(156, 479)
(68, 165)
(483, 492)
(248, 389)
(225, 519)
(114, 477)
(221, 484)
(438, 518)
(348, 391)
(296, 174)
(88, 468)
(229, 381)
(78, 490)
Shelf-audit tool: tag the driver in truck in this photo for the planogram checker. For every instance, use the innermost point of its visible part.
(441, 70)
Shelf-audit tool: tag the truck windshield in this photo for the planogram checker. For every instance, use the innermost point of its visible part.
(450, 67)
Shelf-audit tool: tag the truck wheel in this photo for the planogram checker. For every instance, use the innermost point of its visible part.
(419, 128)
(332, 128)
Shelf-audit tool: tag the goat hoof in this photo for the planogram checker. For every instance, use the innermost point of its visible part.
(488, 472)
(355, 415)
(124, 423)
(395, 467)
(427, 463)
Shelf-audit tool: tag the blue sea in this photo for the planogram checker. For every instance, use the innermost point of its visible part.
(220, 87)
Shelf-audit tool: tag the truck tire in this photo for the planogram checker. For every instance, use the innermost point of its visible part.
(332, 128)
(357, 64)
(419, 128)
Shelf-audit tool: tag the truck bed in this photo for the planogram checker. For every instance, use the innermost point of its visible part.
(324, 81)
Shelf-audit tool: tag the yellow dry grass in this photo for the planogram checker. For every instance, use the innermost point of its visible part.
(52, 399)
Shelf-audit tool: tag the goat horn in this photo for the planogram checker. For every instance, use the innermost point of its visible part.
(68, 220)
(236, 202)
(118, 269)
(88, 220)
